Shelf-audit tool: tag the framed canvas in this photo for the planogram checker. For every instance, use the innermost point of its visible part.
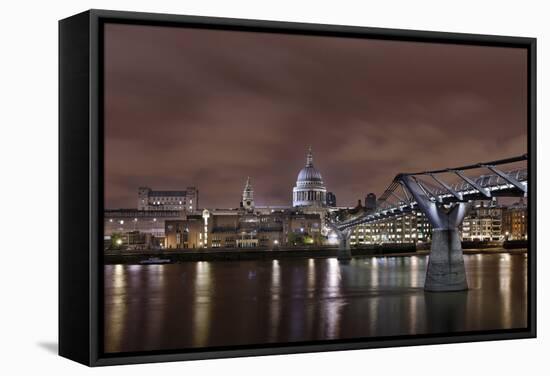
(236, 187)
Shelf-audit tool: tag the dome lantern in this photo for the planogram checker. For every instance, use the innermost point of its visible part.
(309, 159)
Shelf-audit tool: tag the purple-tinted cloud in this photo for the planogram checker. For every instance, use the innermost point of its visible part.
(209, 108)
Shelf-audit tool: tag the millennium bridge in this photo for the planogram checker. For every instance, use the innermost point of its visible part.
(445, 205)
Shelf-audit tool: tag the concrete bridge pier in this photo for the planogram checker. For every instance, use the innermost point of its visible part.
(446, 270)
(344, 247)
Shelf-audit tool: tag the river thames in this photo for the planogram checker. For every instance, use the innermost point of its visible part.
(221, 303)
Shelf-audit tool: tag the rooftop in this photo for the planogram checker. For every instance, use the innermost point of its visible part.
(167, 193)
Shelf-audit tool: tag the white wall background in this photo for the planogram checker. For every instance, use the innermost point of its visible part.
(28, 148)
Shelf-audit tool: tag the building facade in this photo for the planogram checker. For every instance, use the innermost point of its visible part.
(483, 223)
(184, 233)
(514, 221)
(235, 228)
(303, 229)
(187, 200)
(407, 228)
(145, 221)
(123, 225)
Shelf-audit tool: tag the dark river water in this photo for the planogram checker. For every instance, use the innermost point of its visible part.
(220, 303)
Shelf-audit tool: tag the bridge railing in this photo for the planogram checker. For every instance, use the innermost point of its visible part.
(486, 181)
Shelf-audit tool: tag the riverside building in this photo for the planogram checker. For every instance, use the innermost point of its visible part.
(408, 228)
(245, 227)
(483, 223)
(514, 221)
(187, 200)
(122, 223)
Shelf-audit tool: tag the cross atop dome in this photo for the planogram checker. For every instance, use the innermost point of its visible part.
(309, 159)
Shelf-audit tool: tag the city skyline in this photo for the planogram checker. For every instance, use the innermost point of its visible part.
(182, 109)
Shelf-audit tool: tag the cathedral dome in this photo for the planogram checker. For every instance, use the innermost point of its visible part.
(309, 174)
(310, 189)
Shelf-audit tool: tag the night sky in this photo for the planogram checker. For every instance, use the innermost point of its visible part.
(208, 108)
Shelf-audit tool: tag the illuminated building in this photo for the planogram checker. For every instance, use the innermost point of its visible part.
(121, 221)
(310, 190)
(235, 229)
(407, 228)
(184, 233)
(309, 195)
(187, 201)
(302, 229)
(483, 223)
(514, 221)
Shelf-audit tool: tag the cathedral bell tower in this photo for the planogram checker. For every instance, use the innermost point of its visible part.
(247, 202)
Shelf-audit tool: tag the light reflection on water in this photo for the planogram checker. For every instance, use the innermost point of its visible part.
(203, 303)
(333, 301)
(274, 306)
(198, 304)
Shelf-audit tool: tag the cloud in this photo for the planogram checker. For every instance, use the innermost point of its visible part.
(209, 108)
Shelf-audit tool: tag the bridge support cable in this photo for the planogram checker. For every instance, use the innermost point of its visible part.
(399, 198)
(508, 178)
(484, 191)
(426, 190)
(405, 193)
(446, 270)
(447, 187)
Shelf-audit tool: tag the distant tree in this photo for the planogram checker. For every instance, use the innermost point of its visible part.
(307, 239)
(300, 239)
(295, 239)
(117, 241)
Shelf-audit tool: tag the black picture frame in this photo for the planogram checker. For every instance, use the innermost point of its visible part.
(81, 184)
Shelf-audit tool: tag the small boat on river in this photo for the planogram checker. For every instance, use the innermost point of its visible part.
(155, 260)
